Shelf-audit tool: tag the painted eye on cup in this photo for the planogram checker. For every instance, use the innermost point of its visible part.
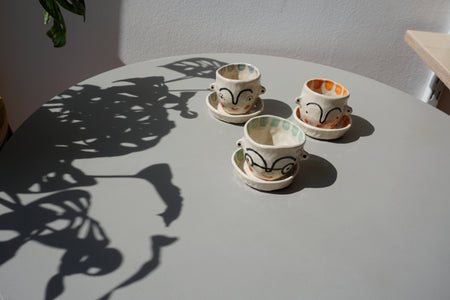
(284, 164)
(250, 98)
(287, 168)
(254, 159)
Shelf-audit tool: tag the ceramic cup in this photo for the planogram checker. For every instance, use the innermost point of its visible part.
(272, 146)
(238, 86)
(323, 103)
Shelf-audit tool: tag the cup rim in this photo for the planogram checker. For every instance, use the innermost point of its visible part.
(264, 146)
(258, 76)
(305, 85)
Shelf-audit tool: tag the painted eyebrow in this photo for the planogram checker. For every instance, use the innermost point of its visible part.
(262, 158)
(246, 90)
(232, 96)
(284, 157)
(320, 107)
(321, 111)
(265, 163)
(326, 116)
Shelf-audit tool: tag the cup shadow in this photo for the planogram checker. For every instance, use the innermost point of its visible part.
(315, 172)
(277, 108)
(360, 128)
(271, 107)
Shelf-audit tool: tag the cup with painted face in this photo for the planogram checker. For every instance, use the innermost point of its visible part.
(272, 146)
(238, 86)
(323, 103)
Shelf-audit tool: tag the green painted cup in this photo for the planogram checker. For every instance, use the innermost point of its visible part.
(272, 146)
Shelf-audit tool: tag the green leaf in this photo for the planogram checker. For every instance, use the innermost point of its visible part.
(51, 8)
(52, 12)
(47, 17)
(75, 6)
(57, 34)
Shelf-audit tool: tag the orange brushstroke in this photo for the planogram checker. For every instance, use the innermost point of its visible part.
(338, 89)
(318, 83)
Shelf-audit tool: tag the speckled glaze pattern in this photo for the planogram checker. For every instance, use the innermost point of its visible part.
(237, 86)
(216, 110)
(272, 147)
(322, 133)
(323, 103)
(240, 165)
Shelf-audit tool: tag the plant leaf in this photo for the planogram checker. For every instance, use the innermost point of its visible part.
(51, 8)
(75, 6)
(52, 11)
(47, 17)
(58, 31)
(57, 34)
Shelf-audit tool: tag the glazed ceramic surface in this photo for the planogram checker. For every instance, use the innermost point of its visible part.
(213, 104)
(272, 147)
(323, 103)
(322, 133)
(238, 86)
(240, 166)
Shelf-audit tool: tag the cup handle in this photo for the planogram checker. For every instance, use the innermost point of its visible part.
(348, 110)
(297, 100)
(303, 154)
(211, 86)
(240, 143)
(263, 90)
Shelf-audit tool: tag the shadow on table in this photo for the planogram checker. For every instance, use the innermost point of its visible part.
(89, 122)
(315, 172)
(360, 128)
(84, 122)
(277, 108)
(157, 242)
(62, 221)
(195, 67)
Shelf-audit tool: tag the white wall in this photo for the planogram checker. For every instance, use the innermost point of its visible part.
(32, 71)
(362, 36)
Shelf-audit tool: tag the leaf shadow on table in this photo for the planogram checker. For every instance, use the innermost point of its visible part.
(315, 172)
(84, 122)
(157, 242)
(60, 220)
(360, 128)
(195, 67)
(89, 122)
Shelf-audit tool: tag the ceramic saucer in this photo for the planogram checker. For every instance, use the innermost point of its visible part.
(239, 164)
(323, 133)
(217, 111)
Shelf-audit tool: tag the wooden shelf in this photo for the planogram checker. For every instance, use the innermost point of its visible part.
(434, 49)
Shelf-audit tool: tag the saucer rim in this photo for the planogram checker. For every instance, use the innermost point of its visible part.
(258, 183)
(235, 119)
(316, 132)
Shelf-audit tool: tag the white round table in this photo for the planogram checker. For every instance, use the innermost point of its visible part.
(122, 187)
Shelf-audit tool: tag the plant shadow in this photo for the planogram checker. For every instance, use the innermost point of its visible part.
(85, 122)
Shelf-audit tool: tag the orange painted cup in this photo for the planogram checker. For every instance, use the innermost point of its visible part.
(323, 103)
